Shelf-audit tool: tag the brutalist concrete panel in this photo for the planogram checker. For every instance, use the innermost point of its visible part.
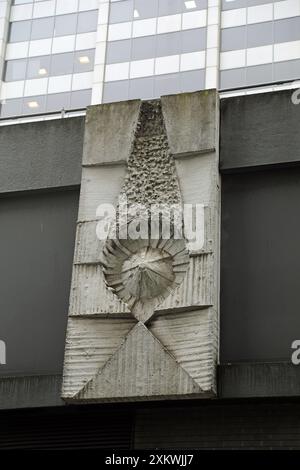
(40, 155)
(99, 185)
(30, 392)
(191, 121)
(143, 316)
(260, 129)
(109, 132)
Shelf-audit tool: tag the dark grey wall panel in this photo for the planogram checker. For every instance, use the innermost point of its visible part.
(211, 425)
(258, 380)
(259, 130)
(30, 392)
(260, 265)
(36, 251)
(41, 154)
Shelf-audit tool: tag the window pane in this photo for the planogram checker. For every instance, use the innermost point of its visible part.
(15, 70)
(84, 61)
(58, 101)
(42, 28)
(87, 21)
(11, 108)
(38, 67)
(34, 104)
(122, 11)
(65, 25)
(81, 99)
(62, 64)
(19, 31)
(145, 9)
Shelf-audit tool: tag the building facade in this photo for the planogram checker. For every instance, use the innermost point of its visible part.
(66, 54)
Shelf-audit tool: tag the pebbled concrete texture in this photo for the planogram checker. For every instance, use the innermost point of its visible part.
(41, 155)
(258, 130)
(109, 132)
(191, 121)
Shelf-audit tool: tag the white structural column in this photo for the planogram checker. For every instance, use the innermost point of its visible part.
(5, 6)
(213, 44)
(100, 53)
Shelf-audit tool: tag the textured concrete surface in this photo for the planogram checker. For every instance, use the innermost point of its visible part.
(148, 278)
(258, 130)
(234, 380)
(40, 155)
(186, 335)
(191, 121)
(151, 372)
(259, 380)
(89, 294)
(109, 132)
(99, 185)
(97, 340)
(247, 425)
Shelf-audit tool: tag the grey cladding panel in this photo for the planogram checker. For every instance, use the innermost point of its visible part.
(41, 155)
(36, 251)
(261, 129)
(260, 263)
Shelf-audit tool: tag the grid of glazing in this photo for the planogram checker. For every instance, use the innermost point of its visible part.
(260, 42)
(154, 48)
(49, 57)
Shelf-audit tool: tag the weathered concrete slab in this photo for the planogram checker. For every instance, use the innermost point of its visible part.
(89, 294)
(191, 121)
(150, 372)
(30, 392)
(99, 185)
(259, 130)
(41, 155)
(245, 380)
(197, 287)
(88, 248)
(191, 339)
(165, 286)
(90, 343)
(109, 132)
(199, 179)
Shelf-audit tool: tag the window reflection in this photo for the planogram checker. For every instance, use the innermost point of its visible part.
(19, 31)
(38, 67)
(15, 70)
(61, 25)
(45, 66)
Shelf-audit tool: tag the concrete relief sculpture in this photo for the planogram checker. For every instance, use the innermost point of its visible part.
(143, 317)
